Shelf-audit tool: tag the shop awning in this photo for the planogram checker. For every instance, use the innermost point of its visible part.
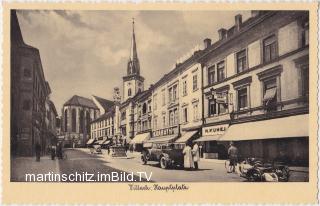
(162, 139)
(106, 142)
(270, 94)
(208, 138)
(102, 141)
(184, 138)
(90, 141)
(140, 138)
(293, 126)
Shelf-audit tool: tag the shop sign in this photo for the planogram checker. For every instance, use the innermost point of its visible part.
(215, 130)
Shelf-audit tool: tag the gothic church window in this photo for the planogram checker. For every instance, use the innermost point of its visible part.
(74, 120)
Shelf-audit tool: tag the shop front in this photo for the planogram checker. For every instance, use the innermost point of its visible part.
(210, 148)
(283, 139)
(186, 138)
(136, 143)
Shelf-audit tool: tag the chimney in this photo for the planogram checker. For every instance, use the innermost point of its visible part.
(222, 33)
(255, 13)
(207, 43)
(238, 21)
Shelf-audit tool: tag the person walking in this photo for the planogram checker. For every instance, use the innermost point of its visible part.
(233, 157)
(188, 160)
(38, 152)
(59, 150)
(196, 155)
(53, 152)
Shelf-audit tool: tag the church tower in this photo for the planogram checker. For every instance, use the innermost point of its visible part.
(132, 82)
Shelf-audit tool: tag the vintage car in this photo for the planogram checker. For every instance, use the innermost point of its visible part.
(167, 154)
(96, 149)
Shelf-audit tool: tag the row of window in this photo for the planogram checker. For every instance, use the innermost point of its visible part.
(84, 121)
(103, 123)
(146, 107)
(270, 52)
(216, 73)
(173, 92)
(270, 97)
(173, 116)
(145, 125)
(194, 85)
(103, 133)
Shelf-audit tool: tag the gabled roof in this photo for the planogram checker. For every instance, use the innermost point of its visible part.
(106, 104)
(81, 101)
(107, 115)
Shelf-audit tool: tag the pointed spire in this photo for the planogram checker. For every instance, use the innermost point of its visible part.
(133, 51)
(133, 64)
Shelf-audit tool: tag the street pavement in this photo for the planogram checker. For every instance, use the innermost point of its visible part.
(81, 161)
(207, 172)
(20, 166)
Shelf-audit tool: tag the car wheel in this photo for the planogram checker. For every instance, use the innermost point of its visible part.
(163, 163)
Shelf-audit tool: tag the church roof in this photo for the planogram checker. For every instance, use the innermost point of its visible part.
(80, 101)
(105, 103)
(104, 116)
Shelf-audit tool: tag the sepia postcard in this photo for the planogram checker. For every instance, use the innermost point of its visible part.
(160, 103)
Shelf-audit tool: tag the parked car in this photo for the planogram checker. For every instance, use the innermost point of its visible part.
(167, 154)
(96, 149)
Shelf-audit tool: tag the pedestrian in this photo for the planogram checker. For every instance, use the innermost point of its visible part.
(233, 157)
(38, 151)
(53, 152)
(195, 155)
(188, 160)
(108, 148)
(59, 150)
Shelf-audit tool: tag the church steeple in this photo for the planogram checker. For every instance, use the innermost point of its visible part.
(133, 82)
(133, 63)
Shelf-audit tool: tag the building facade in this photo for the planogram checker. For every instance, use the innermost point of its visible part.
(256, 82)
(29, 92)
(103, 127)
(142, 119)
(77, 113)
(51, 124)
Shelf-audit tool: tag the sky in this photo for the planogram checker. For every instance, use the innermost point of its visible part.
(86, 52)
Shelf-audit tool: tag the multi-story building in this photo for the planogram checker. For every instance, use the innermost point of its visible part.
(102, 128)
(256, 87)
(29, 92)
(177, 103)
(142, 119)
(77, 113)
(165, 98)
